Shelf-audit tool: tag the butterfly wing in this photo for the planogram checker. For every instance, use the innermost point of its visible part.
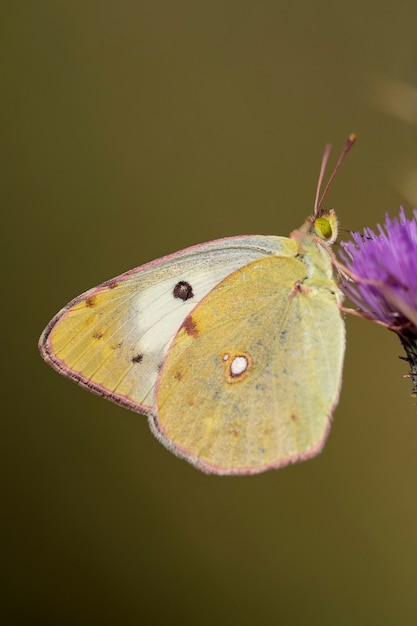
(113, 339)
(254, 373)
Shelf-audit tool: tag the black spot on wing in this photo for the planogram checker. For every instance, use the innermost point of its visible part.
(138, 358)
(183, 291)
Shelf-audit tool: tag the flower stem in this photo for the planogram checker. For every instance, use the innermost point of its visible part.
(409, 341)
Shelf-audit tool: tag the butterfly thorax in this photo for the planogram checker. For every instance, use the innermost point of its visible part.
(315, 239)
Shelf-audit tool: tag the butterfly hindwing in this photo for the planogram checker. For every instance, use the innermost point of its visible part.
(254, 372)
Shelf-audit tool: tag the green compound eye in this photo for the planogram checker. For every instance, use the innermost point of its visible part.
(323, 228)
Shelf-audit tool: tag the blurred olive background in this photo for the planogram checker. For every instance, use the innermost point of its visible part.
(134, 129)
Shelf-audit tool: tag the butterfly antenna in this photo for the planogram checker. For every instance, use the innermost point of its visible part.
(317, 203)
(326, 154)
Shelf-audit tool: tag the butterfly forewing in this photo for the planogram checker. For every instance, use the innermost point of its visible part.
(114, 338)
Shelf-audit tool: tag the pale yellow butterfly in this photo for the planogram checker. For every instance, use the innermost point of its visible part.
(233, 348)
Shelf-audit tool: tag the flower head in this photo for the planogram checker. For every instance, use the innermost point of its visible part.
(383, 266)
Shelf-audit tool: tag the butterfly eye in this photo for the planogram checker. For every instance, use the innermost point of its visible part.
(323, 229)
(325, 226)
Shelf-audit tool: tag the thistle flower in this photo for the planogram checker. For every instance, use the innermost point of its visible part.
(383, 267)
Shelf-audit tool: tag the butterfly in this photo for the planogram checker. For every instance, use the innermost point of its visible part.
(233, 348)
